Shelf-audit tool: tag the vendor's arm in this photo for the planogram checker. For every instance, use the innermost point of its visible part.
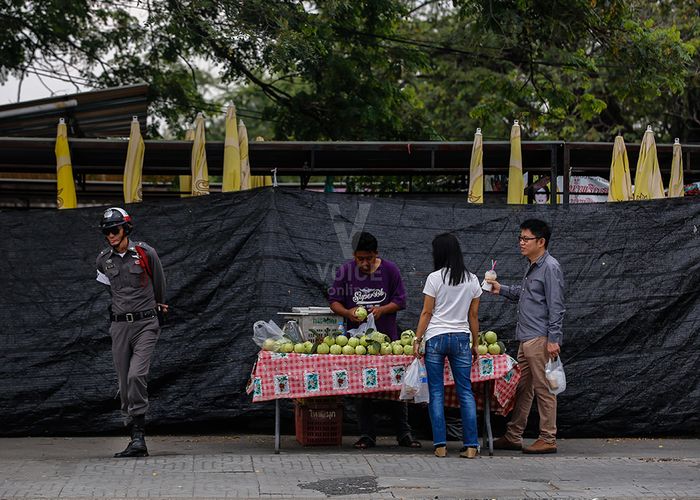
(396, 297)
(423, 322)
(379, 311)
(554, 294)
(340, 310)
(337, 294)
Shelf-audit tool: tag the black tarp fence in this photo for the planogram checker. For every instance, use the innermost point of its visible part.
(632, 327)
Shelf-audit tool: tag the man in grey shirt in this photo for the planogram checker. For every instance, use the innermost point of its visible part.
(540, 299)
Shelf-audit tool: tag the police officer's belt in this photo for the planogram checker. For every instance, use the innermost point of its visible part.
(131, 317)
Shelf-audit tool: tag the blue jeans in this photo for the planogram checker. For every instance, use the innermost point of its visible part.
(454, 346)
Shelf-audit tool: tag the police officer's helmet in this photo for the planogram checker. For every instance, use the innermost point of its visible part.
(115, 217)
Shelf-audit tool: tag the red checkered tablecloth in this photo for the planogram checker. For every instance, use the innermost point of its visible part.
(292, 375)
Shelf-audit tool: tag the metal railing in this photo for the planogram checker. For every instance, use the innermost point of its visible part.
(307, 159)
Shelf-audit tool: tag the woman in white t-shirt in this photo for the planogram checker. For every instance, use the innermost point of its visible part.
(450, 316)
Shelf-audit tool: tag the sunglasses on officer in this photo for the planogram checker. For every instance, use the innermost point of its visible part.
(111, 230)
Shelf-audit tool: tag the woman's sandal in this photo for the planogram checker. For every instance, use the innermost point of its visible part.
(441, 451)
(469, 452)
(363, 443)
(409, 442)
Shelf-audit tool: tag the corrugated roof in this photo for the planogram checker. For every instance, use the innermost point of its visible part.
(94, 114)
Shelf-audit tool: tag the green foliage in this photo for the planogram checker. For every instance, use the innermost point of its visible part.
(380, 69)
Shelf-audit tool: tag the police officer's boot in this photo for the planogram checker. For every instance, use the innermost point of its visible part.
(137, 445)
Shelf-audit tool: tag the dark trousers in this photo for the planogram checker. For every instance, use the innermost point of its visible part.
(366, 409)
(132, 349)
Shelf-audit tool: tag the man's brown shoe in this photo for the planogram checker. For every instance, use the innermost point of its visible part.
(539, 447)
(503, 443)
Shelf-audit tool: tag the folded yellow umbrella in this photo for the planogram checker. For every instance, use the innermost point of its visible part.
(200, 171)
(620, 183)
(232, 155)
(265, 180)
(65, 185)
(476, 170)
(245, 163)
(647, 179)
(516, 183)
(133, 167)
(675, 185)
(186, 180)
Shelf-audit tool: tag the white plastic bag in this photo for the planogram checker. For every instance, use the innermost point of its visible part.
(556, 378)
(264, 330)
(411, 380)
(363, 328)
(423, 395)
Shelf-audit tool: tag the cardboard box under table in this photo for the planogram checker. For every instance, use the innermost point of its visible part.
(289, 376)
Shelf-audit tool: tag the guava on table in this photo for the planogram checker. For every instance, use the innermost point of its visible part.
(490, 337)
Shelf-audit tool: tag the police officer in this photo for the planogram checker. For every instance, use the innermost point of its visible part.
(134, 275)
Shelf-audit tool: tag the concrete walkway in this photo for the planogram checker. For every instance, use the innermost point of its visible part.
(245, 466)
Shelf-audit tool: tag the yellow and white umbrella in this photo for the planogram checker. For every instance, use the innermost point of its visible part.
(256, 181)
(647, 179)
(620, 182)
(200, 171)
(476, 170)
(65, 185)
(186, 180)
(245, 163)
(232, 155)
(262, 180)
(516, 183)
(675, 185)
(133, 167)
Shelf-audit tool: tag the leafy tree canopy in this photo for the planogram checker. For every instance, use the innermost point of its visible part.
(380, 69)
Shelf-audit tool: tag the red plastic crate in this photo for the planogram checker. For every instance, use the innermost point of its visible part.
(319, 422)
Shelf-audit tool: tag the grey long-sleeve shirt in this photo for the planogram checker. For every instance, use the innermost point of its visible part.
(540, 301)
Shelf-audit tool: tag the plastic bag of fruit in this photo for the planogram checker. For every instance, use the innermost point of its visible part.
(423, 395)
(556, 378)
(411, 380)
(367, 326)
(267, 334)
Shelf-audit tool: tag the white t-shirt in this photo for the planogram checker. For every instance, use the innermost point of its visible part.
(451, 312)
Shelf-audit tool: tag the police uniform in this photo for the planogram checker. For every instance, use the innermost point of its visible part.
(136, 288)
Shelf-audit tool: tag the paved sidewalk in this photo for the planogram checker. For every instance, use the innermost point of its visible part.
(245, 466)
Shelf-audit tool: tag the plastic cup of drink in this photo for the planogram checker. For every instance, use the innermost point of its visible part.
(488, 275)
